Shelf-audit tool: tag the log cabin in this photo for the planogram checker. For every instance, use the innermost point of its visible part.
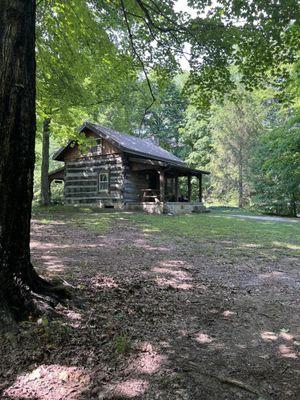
(125, 172)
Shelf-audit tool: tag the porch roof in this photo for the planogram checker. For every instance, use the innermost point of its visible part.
(57, 174)
(181, 169)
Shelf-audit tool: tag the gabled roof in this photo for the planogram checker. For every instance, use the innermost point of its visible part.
(130, 144)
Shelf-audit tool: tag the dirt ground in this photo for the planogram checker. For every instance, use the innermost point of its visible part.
(156, 318)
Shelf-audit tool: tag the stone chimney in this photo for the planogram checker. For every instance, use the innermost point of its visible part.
(154, 138)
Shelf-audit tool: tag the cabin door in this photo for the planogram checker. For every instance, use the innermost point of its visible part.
(153, 180)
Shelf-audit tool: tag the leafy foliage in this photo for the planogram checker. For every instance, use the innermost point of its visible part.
(235, 126)
(114, 63)
(276, 169)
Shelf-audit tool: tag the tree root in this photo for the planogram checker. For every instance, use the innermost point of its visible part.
(235, 382)
(40, 286)
(29, 296)
(226, 380)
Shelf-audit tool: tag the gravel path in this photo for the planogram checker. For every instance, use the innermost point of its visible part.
(265, 218)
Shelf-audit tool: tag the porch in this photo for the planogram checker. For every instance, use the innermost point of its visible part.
(166, 188)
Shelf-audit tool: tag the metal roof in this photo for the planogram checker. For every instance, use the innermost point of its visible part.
(134, 145)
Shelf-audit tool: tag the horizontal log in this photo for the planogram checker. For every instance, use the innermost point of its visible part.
(93, 162)
(97, 198)
(85, 174)
(114, 166)
(127, 196)
(116, 180)
(82, 191)
(83, 187)
(80, 181)
(79, 175)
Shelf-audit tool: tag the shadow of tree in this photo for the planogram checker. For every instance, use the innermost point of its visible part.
(154, 318)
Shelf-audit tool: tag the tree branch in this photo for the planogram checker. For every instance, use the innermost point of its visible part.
(135, 52)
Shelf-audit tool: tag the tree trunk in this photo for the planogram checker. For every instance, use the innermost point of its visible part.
(240, 179)
(240, 187)
(18, 279)
(45, 188)
(293, 207)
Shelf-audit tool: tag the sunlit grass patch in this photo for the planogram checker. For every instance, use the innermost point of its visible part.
(237, 235)
(94, 219)
(290, 246)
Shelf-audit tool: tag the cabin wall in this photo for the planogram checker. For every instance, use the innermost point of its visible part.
(107, 148)
(81, 180)
(73, 152)
(134, 182)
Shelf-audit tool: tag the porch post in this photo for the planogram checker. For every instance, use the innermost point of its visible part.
(49, 189)
(162, 185)
(176, 188)
(189, 188)
(200, 187)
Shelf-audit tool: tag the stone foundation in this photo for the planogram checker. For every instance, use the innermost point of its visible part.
(149, 207)
(184, 208)
(167, 208)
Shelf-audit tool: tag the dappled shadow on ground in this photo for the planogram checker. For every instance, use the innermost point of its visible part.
(49, 382)
(154, 318)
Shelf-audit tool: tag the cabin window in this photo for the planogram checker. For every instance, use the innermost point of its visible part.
(103, 181)
(98, 148)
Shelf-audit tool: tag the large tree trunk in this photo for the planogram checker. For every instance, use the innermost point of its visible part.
(18, 279)
(45, 188)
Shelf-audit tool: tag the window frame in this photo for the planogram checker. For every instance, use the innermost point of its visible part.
(98, 148)
(106, 173)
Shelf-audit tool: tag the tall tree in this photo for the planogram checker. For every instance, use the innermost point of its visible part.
(165, 118)
(235, 126)
(17, 135)
(62, 75)
(197, 137)
(276, 168)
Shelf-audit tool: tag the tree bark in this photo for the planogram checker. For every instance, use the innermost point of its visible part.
(293, 207)
(240, 187)
(45, 187)
(240, 179)
(18, 279)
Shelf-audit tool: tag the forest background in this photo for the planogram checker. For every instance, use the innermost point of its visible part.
(248, 138)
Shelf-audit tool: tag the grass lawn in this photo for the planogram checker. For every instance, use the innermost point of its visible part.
(95, 219)
(222, 227)
(217, 226)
